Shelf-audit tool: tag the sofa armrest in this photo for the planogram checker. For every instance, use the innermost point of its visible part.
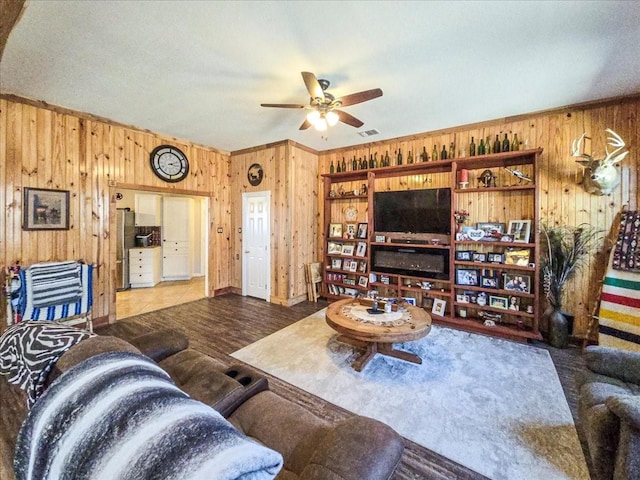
(358, 448)
(612, 362)
(160, 344)
(626, 408)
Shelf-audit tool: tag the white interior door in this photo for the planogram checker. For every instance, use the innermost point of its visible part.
(256, 245)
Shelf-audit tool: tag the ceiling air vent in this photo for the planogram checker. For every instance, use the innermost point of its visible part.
(369, 133)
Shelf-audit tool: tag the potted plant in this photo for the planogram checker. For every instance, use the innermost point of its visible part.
(564, 250)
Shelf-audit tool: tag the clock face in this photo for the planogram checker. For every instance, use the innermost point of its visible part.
(169, 163)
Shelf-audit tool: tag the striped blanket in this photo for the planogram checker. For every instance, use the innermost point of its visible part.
(619, 312)
(119, 416)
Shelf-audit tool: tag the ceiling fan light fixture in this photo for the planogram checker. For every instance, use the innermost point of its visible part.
(332, 118)
(313, 116)
(321, 124)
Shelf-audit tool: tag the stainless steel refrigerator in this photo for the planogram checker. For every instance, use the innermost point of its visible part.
(125, 239)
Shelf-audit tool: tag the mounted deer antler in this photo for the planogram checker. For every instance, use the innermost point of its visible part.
(600, 176)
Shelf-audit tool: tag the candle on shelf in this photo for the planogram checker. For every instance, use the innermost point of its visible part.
(464, 176)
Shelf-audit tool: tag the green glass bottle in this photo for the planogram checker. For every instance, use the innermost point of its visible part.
(354, 164)
(387, 160)
(375, 160)
(487, 145)
(399, 157)
(443, 153)
(410, 157)
(434, 153)
(496, 145)
(332, 169)
(472, 148)
(344, 165)
(515, 144)
(363, 163)
(338, 168)
(424, 156)
(505, 144)
(452, 151)
(481, 147)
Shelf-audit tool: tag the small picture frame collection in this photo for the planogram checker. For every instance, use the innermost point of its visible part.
(517, 231)
(510, 256)
(486, 278)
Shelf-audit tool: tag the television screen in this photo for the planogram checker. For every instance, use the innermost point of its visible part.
(413, 211)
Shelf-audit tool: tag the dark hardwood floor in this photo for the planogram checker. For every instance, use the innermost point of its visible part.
(222, 325)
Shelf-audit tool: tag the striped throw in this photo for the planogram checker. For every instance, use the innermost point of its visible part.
(619, 313)
(119, 416)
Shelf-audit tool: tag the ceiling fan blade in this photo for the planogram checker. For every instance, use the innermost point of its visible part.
(348, 119)
(306, 124)
(313, 86)
(282, 105)
(359, 97)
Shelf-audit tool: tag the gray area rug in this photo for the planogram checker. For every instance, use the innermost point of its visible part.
(492, 405)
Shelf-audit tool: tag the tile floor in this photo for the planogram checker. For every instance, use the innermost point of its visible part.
(135, 301)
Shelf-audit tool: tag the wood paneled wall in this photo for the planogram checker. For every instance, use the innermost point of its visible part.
(291, 174)
(52, 148)
(562, 200)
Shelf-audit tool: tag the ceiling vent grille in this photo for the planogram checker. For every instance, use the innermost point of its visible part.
(369, 133)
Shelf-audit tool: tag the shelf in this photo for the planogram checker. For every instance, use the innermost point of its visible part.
(475, 306)
(493, 266)
(346, 197)
(416, 245)
(511, 188)
(489, 291)
(497, 242)
(476, 325)
(504, 159)
(421, 168)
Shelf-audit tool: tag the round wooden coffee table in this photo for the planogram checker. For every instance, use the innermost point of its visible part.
(378, 332)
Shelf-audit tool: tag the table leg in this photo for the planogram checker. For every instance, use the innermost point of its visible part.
(387, 349)
(361, 362)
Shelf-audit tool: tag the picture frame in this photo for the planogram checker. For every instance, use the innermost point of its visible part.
(507, 238)
(351, 230)
(334, 248)
(361, 251)
(493, 257)
(479, 257)
(362, 266)
(492, 230)
(514, 303)
(498, 301)
(461, 298)
(335, 230)
(517, 256)
(362, 230)
(464, 255)
(517, 282)
(336, 263)
(384, 279)
(439, 307)
(353, 266)
(521, 230)
(410, 300)
(489, 282)
(45, 209)
(466, 276)
(381, 239)
(363, 281)
(347, 249)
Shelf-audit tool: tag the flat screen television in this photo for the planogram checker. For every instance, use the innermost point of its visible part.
(413, 211)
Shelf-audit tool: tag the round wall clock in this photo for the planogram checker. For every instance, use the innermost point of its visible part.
(351, 214)
(255, 174)
(169, 163)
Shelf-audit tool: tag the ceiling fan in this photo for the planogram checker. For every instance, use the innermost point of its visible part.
(324, 106)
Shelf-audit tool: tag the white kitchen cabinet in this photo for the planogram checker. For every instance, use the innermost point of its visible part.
(145, 266)
(177, 238)
(148, 210)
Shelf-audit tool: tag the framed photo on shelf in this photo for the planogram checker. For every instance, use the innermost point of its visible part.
(363, 281)
(464, 255)
(409, 300)
(517, 283)
(493, 257)
(347, 249)
(489, 282)
(334, 248)
(353, 266)
(517, 256)
(507, 237)
(362, 230)
(45, 209)
(362, 266)
(521, 230)
(336, 263)
(461, 298)
(479, 257)
(381, 239)
(492, 230)
(361, 251)
(351, 231)
(514, 303)
(497, 301)
(335, 230)
(466, 276)
(439, 307)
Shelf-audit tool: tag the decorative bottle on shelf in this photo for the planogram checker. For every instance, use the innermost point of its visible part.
(487, 145)
(354, 164)
(387, 160)
(481, 150)
(496, 145)
(515, 144)
(399, 157)
(344, 165)
(338, 168)
(452, 149)
(409, 157)
(363, 163)
(375, 160)
(370, 161)
(424, 156)
(443, 153)
(505, 144)
(472, 148)
(434, 153)
(332, 169)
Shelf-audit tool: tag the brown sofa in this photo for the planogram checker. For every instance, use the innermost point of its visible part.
(357, 448)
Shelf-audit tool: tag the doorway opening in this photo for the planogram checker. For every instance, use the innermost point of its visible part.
(256, 245)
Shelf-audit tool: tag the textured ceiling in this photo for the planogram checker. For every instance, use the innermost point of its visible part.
(199, 70)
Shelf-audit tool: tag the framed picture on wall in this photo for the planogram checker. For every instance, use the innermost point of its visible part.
(521, 230)
(45, 209)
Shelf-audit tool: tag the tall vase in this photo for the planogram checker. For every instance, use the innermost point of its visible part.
(558, 329)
